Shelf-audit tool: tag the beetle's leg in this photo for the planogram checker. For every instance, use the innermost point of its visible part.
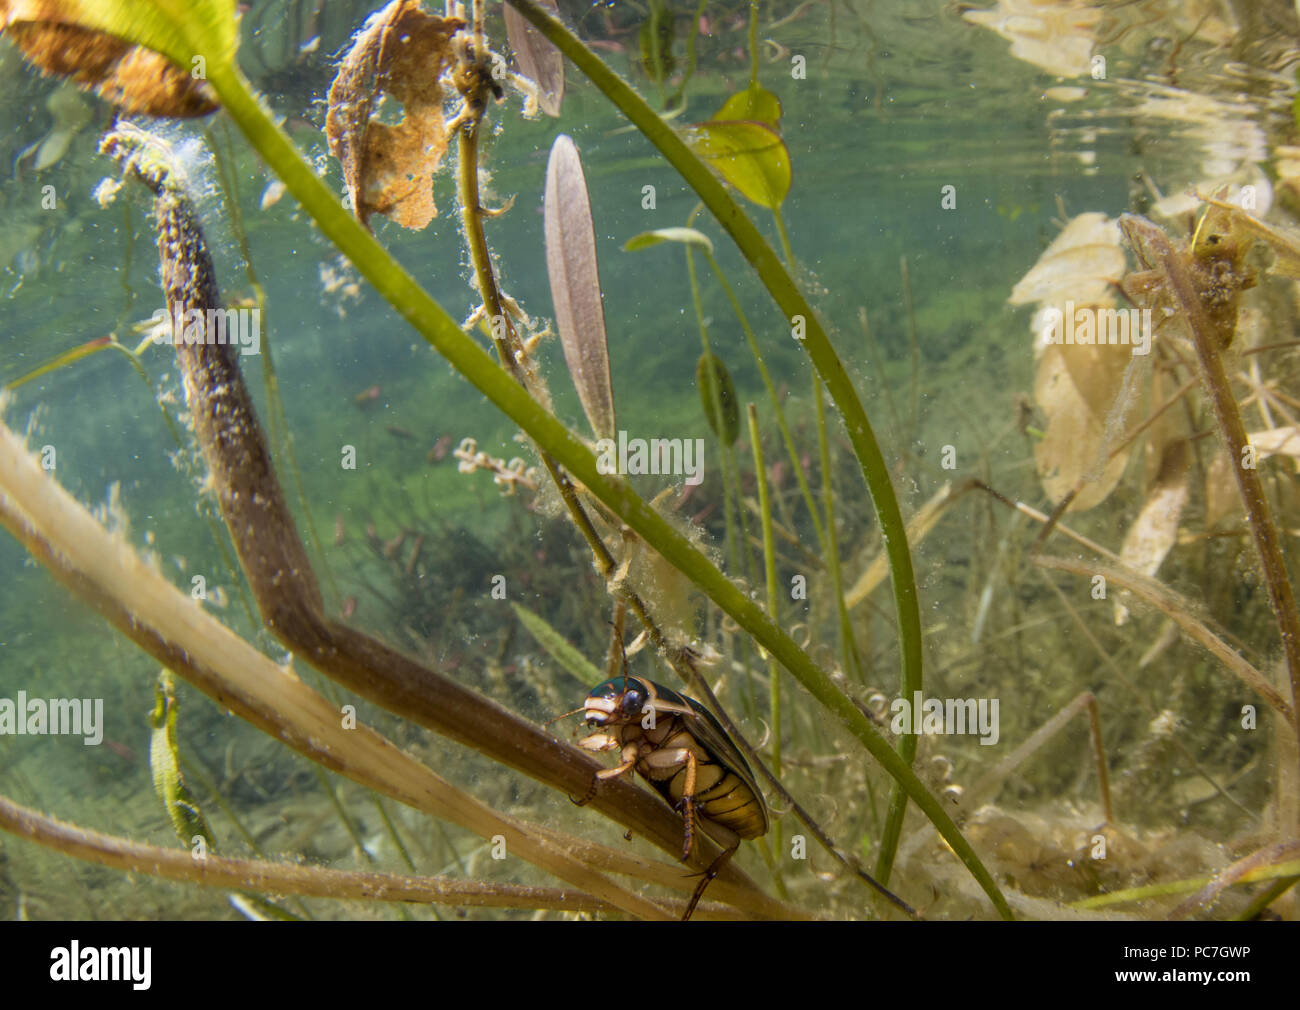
(680, 757)
(688, 806)
(714, 869)
(629, 758)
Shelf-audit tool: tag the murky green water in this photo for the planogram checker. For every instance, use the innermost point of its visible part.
(913, 133)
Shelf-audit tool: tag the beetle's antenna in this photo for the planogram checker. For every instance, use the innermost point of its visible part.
(566, 715)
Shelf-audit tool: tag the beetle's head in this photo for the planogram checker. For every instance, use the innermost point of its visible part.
(615, 702)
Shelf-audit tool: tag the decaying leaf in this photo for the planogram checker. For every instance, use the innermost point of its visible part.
(1079, 374)
(1076, 434)
(1215, 262)
(538, 58)
(1082, 264)
(1222, 498)
(1276, 442)
(137, 80)
(1155, 532)
(389, 168)
(575, 284)
(1056, 35)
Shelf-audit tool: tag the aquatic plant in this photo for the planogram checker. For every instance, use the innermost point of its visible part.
(445, 75)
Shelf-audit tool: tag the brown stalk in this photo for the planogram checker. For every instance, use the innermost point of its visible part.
(285, 588)
(1179, 282)
(278, 878)
(985, 787)
(1170, 603)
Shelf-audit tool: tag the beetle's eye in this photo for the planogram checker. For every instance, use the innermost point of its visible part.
(632, 703)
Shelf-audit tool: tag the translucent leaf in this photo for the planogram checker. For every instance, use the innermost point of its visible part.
(687, 236)
(1075, 436)
(575, 284)
(107, 47)
(1151, 538)
(538, 58)
(1081, 264)
(755, 104)
(749, 155)
(1276, 441)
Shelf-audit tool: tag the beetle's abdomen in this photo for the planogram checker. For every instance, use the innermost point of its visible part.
(720, 795)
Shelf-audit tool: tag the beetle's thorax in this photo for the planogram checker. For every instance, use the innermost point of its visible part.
(665, 725)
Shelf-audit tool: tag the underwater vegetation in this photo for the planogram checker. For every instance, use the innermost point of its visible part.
(871, 606)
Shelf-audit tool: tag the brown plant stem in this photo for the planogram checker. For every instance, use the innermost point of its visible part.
(1166, 600)
(278, 878)
(1182, 287)
(285, 588)
(175, 630)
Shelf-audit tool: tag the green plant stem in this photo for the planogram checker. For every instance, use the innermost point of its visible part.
(773, 601)
(433, 323)
(766, 376)
(729, 491)
(786, 250)
(769, 571)
(793, 304)
(848, 646)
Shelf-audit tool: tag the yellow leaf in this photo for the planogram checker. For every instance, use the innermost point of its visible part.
(751, 156)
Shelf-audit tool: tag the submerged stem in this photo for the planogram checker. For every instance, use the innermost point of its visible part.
(796, 310)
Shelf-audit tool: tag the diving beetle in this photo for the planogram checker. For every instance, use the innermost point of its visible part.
(677, 745)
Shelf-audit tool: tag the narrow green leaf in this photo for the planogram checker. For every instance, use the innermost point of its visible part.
(165, 764)
(728, 419)
(60, 360)
(559, 647)
(687, 236)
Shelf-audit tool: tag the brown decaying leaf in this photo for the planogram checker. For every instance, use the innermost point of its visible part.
(138, 81)
(538, 58)
(1222, 499)
(575, 284)
(1081, 264)
(1076, 384)
(388, 169)
(1076, 433)
(1283, 441)
(1151, 538)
